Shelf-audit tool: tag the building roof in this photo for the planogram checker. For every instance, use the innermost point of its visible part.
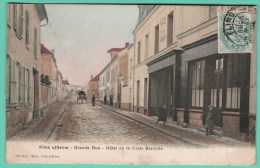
(45, 50)
(118, 49)
(96, 78)
(41, 10)
(65, 82)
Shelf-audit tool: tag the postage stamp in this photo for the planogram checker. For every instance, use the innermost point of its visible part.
(235, 32)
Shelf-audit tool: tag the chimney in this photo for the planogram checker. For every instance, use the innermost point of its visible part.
(91, 76)
(52, 51)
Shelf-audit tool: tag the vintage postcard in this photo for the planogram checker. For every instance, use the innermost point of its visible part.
(131, 84)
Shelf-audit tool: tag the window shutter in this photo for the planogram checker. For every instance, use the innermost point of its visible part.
(25, 86)
(7, 80)
(13, 82)
(21, 20)
(35, 43)
(14, 17)
(22, 84)
(27, 28)
(29, 87)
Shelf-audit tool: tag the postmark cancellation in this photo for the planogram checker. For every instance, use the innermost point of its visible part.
(235, 32)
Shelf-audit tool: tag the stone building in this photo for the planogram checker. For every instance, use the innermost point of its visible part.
(178, 70)
(66, 85)
(60, 87)
(23, 64)
(93, 87)
(49, 78)
(125, 77)
(110, 78)
(103, 84)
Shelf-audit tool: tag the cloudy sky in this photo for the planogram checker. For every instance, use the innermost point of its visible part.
(82, 34)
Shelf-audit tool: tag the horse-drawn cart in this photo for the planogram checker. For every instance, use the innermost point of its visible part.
(81, 96)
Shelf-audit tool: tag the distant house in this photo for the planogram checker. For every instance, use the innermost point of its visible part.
(66, 85)
(111, 76)
(93, 87)
(49, 76)
(60, 86)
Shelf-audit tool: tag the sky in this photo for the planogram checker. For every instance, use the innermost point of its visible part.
(82, 34)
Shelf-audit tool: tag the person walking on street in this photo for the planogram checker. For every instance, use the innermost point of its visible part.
(209, 120)
(93, 100)
(111, 100)
(105, 99)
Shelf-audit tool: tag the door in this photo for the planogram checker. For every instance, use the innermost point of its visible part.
(216, 91)
(36, 94)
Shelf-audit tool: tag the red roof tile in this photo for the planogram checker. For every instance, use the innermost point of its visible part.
(96, 78)
(65, 82)
(45, 50)
(118, 49)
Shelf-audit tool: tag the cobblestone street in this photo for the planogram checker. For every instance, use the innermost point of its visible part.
(85, 123)
(69, 121)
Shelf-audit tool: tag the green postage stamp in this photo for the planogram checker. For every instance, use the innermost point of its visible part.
(235, 32)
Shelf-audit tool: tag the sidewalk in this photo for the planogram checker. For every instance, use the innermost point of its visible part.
(186, 135)
(40, 129)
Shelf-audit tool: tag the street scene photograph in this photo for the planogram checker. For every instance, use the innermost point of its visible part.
(131, 84)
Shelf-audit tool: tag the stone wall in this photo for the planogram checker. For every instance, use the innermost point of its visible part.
(195, 118)
(16, 119)
(141, 110)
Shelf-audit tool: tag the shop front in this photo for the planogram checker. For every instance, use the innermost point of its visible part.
(161, 85)
(220, 80)
(182, 84)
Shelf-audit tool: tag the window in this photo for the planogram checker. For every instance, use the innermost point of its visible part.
(27, 29)
(26, 86)
(156, 40)
(139, 52)
(15, 16)
(170, 29)
(130, 74)
(161, 89)
(145, 91)
(212, 12)
(13, 82)
(108, 76)
(21, 21)
(138, 94)
(219, 64)
(234, 81)
(146, 45)
(8, 71)
(197, 80)
(35, 43)
(29, 86)
(21, 84)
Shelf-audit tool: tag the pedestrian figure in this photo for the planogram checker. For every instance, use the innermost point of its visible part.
(105, 99)
(111, 100)
(162, 115)
(209, 120)
(252, 135)
(93, 100)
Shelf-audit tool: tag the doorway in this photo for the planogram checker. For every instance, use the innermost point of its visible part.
(216, 91)
(36, 104)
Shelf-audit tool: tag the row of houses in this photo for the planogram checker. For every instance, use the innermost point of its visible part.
(33, 80)
(174, 66)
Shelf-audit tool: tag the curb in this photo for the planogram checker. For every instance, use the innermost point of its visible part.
(184, 140)
(55, 122)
